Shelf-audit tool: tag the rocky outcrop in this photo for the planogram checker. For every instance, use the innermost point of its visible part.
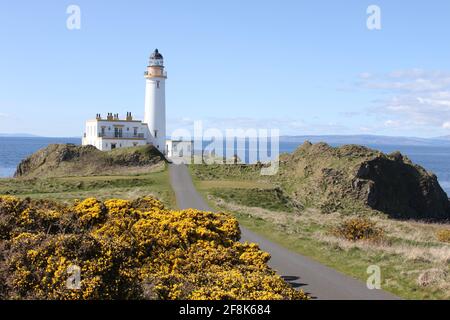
(72, 160)
(353, 178)
(398, 187)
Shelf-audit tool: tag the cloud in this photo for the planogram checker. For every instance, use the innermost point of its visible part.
(365, 75)
(392, 123)
(412, 98)
(286, 126)
(349, 114)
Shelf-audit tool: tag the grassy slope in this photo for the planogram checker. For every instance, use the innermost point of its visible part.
(102, 187)
(412, 255)
(89, 161)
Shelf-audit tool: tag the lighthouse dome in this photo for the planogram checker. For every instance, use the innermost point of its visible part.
(156, 55)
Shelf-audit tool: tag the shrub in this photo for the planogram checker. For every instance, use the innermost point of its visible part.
(129, 250)
(356, 229)
(443, 235)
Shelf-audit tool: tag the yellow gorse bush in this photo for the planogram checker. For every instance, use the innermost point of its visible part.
(129, 250)
(443, 235)
(359, 228)
(90, 210)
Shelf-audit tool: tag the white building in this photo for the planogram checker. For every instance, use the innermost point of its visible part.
(155, 100)
(180, 151)
(112, 132)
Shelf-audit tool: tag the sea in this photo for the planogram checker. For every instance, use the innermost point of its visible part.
(432, 158)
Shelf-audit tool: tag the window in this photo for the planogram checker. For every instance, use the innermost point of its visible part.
(135, 131)
(157, 84)
(117, 132)
(156, 133)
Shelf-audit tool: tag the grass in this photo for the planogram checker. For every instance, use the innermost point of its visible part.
(67, 189)
(221, 184)
(414, 264)
(272, 199)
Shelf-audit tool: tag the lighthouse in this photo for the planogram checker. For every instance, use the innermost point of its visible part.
(155, 100)
(112, 131)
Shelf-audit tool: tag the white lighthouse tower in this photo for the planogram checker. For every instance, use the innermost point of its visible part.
(155, 100)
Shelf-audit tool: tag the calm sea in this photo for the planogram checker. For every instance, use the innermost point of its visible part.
(13, 150)
(432, 158)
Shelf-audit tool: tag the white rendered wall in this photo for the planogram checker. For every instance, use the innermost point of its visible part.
(120, 143)
(168, 148)
(155, 111)
(93, 135)
(179, 151)
(90, 136)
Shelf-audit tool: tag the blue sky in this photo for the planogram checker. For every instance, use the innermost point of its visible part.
(305, 67)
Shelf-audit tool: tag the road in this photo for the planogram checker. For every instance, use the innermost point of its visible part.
(319, 281)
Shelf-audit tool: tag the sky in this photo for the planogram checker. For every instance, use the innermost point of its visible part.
(303, 67)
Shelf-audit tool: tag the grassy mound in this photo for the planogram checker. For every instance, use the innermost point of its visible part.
(61, 160)
(128, 250)
(349, 179)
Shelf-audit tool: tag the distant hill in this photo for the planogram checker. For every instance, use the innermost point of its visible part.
(368, 140)
(445, 138)
(18, 135)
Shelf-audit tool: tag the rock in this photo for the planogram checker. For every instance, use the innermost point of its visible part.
(355, 178)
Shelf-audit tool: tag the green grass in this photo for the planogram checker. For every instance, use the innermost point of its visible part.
(68, 189)
(272, 199)
(298, 231)
(399, 277)
(221, 184)
(217, 172)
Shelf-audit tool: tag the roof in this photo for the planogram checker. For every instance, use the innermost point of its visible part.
(156, 55)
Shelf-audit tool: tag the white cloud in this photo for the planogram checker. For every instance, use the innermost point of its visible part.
(392, 123)
(413, 98)
(446, 125)
(365, 75)
(286, 126)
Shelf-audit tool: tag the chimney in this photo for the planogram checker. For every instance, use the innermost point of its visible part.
(129, 116)
(109, 117)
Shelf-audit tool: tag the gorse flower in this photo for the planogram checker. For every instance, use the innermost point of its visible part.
(443, 235)
(360, 228)
(129, 250)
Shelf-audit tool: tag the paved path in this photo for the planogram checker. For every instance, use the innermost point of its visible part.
(319, 281)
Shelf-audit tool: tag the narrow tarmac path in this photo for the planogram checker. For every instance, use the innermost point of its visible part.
(317, 280)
